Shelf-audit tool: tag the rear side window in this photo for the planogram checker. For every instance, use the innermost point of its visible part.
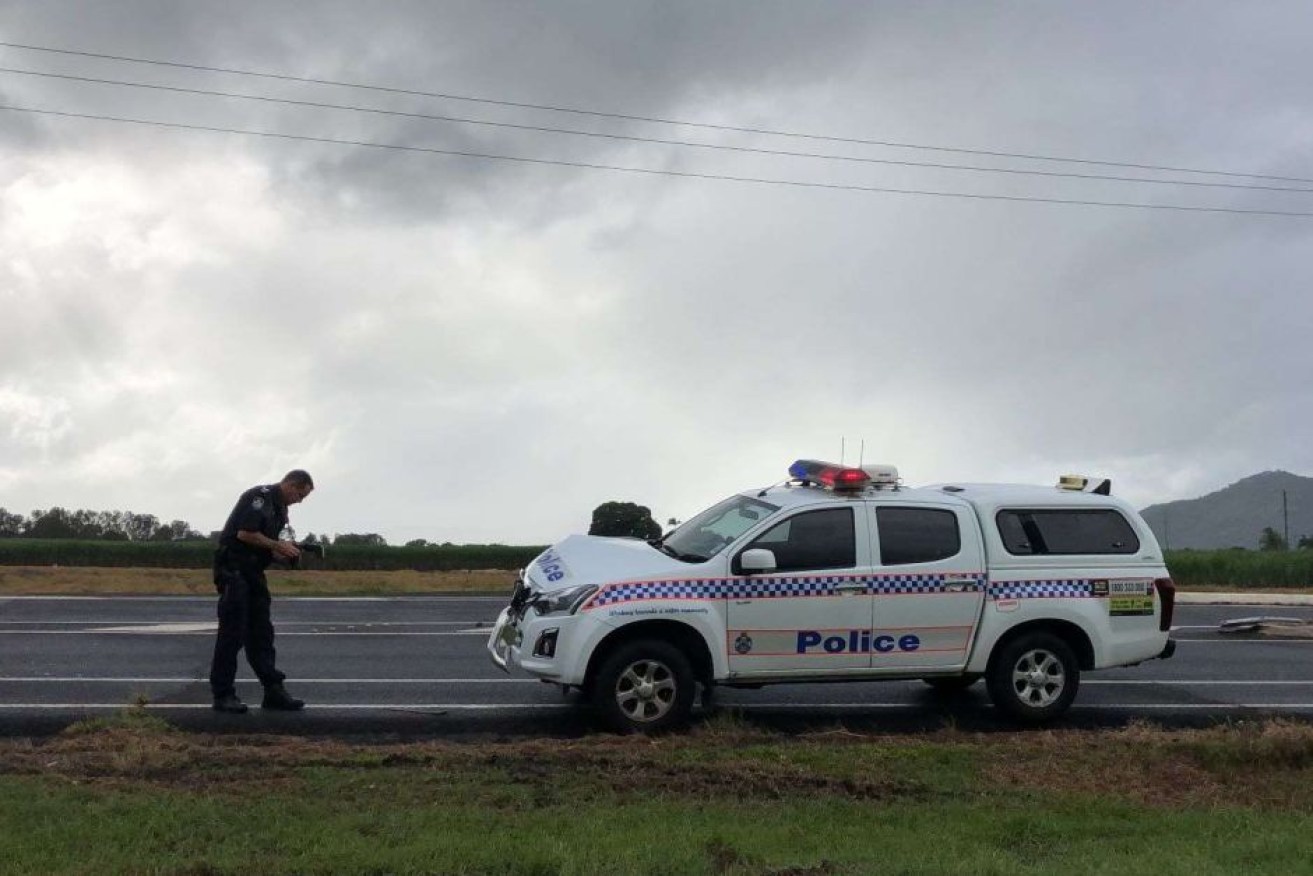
(917, 535)
(1060, 531)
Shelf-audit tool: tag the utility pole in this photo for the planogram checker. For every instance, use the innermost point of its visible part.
(1285, 517)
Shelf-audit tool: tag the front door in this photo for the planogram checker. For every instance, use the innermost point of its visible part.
(812, 614)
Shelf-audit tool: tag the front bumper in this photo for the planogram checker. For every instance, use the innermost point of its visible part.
(505, 636)
(552, 648)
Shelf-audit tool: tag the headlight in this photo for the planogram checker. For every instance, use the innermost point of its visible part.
(564, 601)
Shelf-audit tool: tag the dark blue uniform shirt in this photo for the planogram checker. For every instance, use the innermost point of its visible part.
(260, 509)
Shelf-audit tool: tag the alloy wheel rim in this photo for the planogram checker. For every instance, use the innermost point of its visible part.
(1039, 678)
(645, 691)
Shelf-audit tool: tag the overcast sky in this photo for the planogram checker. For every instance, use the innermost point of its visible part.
(474, 350)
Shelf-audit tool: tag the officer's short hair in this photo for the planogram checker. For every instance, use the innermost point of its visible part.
(299, 477)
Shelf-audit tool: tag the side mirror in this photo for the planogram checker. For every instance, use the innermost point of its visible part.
(757, 560)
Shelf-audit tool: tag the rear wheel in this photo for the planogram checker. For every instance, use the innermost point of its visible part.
(1034, 678)
(644, 686)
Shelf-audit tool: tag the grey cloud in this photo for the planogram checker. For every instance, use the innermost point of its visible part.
(654, 60)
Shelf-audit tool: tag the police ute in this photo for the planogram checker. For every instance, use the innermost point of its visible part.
(843, 574)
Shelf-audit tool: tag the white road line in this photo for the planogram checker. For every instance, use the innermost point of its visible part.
(208, 629)
(153, 629)
(1184, 681)
(74, 679)
(212, 599)
(1198, 706)
(373, 707)
(281, 623)
(761, 707)
(1100, 707)
(1110, 682)
(484, 631)
(211, 626)
(1233, 639)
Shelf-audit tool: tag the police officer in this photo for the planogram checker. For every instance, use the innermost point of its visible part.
(248, 544)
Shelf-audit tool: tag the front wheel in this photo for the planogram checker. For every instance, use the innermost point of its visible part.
(644, 687)
(1033, 678)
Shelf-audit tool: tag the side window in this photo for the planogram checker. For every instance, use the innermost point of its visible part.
(917, 535)
(812, 540)
(1062, 531)
(1019, 537)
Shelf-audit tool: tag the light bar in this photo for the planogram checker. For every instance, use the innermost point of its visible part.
(827, 474)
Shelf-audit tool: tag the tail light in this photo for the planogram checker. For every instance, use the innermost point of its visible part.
(1167, 595)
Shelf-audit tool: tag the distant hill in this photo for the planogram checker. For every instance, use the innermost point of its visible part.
(1235, 516)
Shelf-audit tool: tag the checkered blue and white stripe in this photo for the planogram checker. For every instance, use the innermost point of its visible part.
(694, 588)
(763, 587)
(1060, 589)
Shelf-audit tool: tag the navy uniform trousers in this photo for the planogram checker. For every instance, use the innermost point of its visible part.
(244, 622)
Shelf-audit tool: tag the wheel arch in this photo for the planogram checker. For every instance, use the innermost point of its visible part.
(687, 638)
(1073, 634)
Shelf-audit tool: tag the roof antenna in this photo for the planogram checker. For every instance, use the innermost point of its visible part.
(861, 454)
(841, 449)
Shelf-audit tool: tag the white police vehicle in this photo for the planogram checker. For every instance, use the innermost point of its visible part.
(843, 574)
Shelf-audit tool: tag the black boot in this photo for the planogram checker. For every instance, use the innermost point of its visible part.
(229, 703)
(277, 697)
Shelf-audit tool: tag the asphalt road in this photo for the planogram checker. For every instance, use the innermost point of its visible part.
(416, 666)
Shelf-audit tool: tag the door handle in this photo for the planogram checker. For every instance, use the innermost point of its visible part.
(852, 587)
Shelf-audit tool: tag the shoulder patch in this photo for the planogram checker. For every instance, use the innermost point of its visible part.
(258, 503)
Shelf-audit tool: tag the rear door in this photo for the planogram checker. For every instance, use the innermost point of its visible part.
(813, 614)
(928, 587)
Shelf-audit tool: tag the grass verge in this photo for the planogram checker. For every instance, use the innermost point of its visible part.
(131, 795)
(82, 581)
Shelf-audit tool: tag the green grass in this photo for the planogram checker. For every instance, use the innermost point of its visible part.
(1242, 569)
(128, 794)
(341, 822)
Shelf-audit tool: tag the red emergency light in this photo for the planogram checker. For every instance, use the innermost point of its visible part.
(827, 474)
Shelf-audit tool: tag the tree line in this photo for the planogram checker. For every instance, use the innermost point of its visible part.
(85, 525)
(94, 526)
(609, 518)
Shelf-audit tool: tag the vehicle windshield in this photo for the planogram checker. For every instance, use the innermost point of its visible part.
(701, 538)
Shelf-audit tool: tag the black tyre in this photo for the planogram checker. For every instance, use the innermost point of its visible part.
(644, 686)
(1033, 678)
(951, 684)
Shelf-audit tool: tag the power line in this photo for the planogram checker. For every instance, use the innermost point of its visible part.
(655, 120)
(655, 140)
(655, 172)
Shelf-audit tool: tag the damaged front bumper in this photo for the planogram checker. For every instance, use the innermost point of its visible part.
(505, 636)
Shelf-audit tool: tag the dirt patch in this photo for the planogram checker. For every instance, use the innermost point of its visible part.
(1267, 765)
(1262, 764)
(137, 748)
